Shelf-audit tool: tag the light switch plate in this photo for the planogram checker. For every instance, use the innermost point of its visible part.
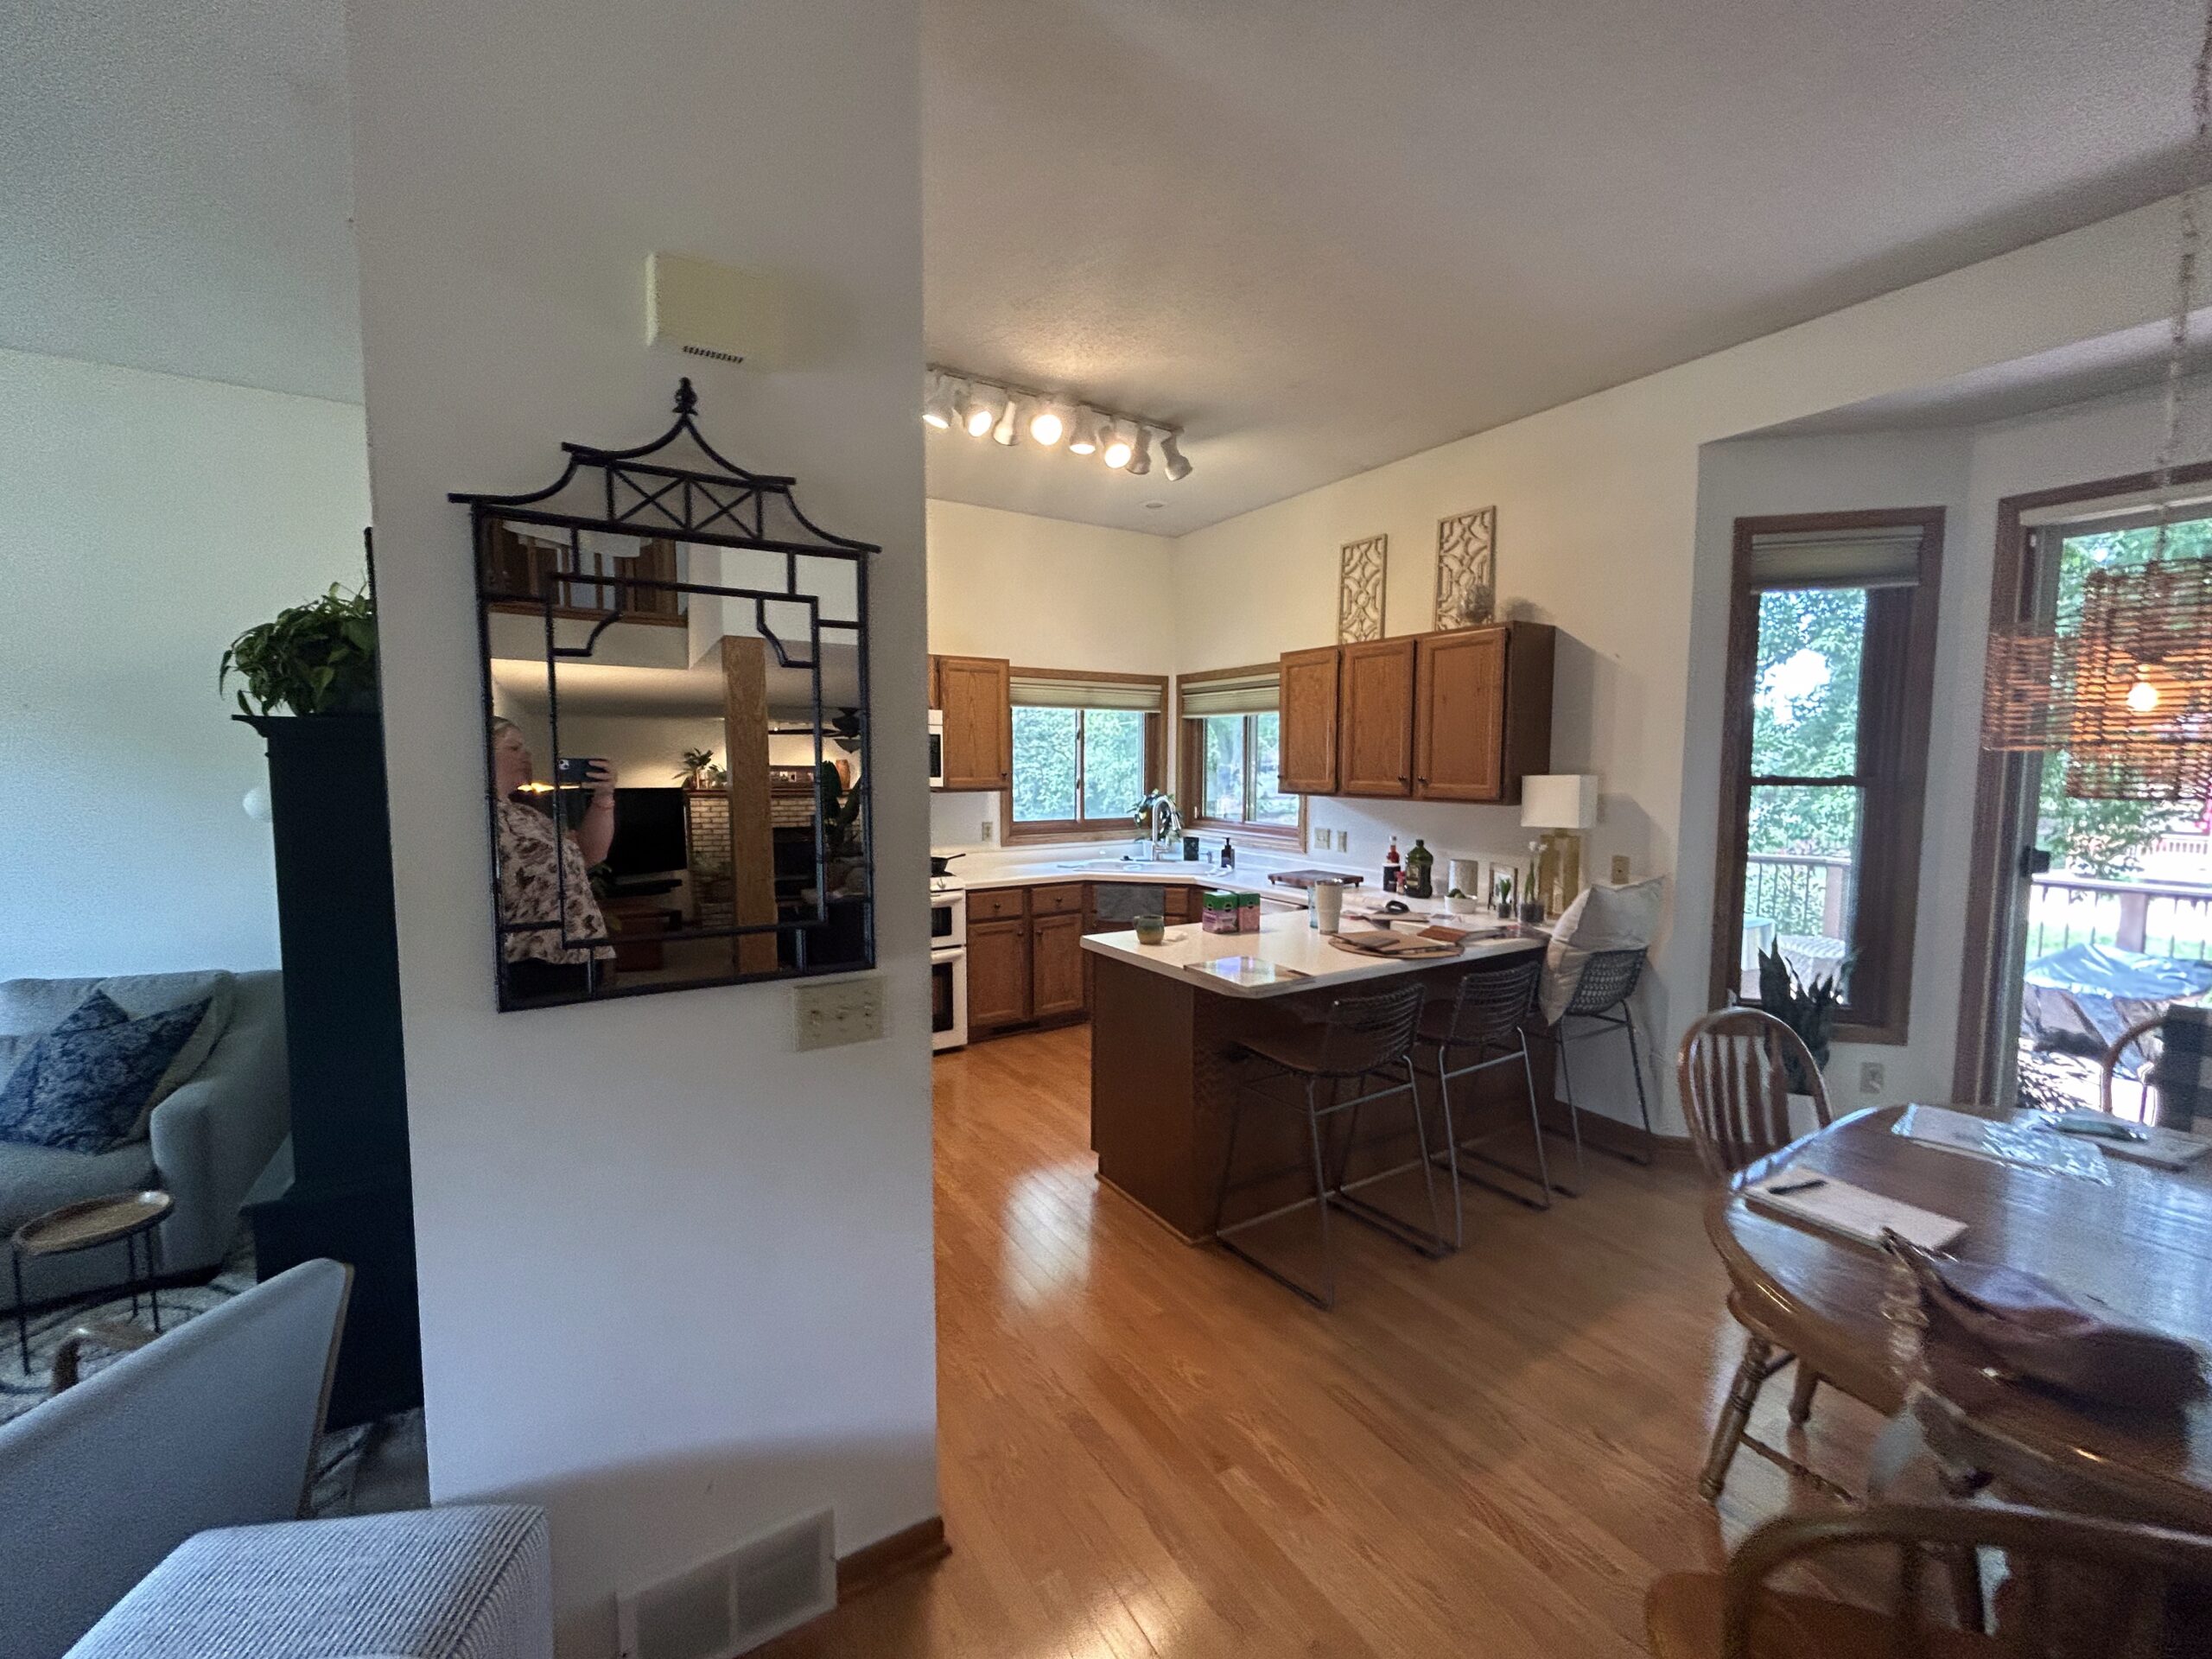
(1869, 1076)
(1620, 869)
(842, 1011)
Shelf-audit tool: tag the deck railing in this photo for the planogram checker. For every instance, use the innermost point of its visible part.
(2157, 919)
(1799, 893)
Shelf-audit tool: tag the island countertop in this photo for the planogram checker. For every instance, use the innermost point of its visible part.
(1287, 940)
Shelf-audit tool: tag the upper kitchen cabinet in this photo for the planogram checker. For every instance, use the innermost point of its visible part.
(973, 694)
(1308, 749)
(1483, 712)
(1375, 718)
(1457, 716)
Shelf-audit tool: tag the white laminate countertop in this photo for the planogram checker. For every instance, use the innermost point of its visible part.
(1168, 872)
(1285, 940)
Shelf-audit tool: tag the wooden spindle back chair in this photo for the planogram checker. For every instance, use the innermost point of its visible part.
(1736, 1087)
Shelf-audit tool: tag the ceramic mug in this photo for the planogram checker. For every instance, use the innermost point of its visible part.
(1151, 930)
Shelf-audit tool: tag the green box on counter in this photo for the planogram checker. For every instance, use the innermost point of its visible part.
(1219, 913)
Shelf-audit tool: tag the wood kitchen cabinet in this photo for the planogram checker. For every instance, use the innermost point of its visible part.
(1307, 755)
(975, 695)
(998, 973)
(1056, 976)
(1482, 712)
(1375, 718)
(1455, 716)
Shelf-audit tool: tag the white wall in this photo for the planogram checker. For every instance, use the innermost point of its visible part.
(146, 520)
(1597, 532)
(676, 1278)
(1042, 593)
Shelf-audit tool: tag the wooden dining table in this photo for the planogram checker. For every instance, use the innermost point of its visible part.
(2142, 1245)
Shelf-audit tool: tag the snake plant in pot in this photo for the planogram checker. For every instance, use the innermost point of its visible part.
(316, 658)
(1808, 1010)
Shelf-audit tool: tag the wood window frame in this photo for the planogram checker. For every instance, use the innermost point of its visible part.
(1898, 663)
(2006, 787)
(1155, 765)
(1189, 761)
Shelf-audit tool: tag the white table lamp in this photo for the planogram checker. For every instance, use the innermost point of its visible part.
(1562, 805)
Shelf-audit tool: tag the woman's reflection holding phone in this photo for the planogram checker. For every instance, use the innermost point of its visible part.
(544, 871)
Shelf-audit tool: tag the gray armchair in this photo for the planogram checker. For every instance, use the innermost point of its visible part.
(206, 1142)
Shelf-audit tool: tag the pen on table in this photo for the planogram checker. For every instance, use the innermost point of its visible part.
(1782, 1189)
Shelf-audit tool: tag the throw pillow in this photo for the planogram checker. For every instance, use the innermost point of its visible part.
(222, 998)
(1602, 918)
(83, 1085)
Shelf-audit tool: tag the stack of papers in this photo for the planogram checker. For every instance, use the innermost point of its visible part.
(1836, 1206)
(2160, 1148)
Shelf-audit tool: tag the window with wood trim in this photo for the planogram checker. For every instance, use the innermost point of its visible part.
(1231, 750)
(1824, 758)
(1086, 747)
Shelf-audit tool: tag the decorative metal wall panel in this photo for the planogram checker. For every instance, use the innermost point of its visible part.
(1359, 589)
(1467, 568)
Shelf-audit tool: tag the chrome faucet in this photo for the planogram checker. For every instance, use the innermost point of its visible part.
(1161, 821)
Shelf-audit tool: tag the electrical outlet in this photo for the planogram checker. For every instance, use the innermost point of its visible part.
(1620, 869)
(983, 832)
(844, 1011)
(1869, 1076)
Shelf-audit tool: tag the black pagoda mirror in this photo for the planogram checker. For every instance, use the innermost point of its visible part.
(675, 726)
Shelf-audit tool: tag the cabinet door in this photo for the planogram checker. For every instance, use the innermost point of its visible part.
(973, 694)
(998, 973)
(1375, 726)
(1055, 966)
(1308, 754)
(1460, 716)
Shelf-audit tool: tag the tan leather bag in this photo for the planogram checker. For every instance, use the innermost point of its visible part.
(2019, 1324)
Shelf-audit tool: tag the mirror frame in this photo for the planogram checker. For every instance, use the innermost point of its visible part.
(626, 493)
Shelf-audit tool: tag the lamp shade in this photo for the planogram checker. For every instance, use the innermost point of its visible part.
(1559, 800)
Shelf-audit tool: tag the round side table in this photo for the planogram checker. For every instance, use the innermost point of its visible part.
(125, 1218)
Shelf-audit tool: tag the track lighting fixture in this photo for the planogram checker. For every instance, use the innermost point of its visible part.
(1049, 418)
(986, 406)
(937, 404)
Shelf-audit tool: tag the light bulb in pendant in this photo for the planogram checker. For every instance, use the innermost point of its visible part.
(2143, 697)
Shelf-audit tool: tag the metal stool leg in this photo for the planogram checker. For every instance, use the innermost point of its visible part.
(1328, 1298)
(1228, 1160)
(1451, 1155)
(1573, 1112)
(1635, 1070)
(1433, 1244)
(1536, 1124)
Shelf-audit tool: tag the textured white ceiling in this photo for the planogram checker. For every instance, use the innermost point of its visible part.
(1328, 235)
(1321, 235)
(176, 191)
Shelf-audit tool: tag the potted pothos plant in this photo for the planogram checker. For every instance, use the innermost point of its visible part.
(315, 658)
(1808, 1010)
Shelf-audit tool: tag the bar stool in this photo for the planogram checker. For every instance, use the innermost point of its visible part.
(1486, 1018)
(1364, 1039)
(1602, 993)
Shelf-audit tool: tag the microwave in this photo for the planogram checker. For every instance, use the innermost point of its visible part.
(936, 749)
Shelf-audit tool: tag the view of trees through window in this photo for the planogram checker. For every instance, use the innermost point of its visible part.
(1804, 835)
(1076, 764)
(2110, 838)
(1238, 772)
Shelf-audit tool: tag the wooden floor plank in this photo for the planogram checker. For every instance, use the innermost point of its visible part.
(1149, 1451)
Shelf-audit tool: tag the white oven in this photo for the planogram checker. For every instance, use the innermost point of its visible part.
(948, 964)
(936, 749)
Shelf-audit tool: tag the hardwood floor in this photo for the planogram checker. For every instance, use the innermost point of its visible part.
(1147, 1448)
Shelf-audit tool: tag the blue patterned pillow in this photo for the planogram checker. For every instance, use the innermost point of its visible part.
(82, 1086)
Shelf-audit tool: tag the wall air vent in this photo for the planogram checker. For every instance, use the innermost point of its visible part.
(710, 310)
(735, 1602)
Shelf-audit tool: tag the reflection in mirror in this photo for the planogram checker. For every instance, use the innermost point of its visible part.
(678, 741)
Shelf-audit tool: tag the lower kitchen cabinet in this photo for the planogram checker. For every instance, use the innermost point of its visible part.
(998, 973)
(1056, 974)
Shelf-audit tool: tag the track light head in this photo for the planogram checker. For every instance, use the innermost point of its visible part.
(986, 407)
(1084, 440)
(1171, 457)
(1048, 424)
(1120, 445)
(1007, 432)
(1140, 457)
(937, 402)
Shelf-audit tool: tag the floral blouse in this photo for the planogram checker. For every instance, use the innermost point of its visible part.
(530, 889)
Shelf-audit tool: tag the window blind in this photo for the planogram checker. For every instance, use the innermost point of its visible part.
(1146, 698)
(1257, 693)
(1880, 557)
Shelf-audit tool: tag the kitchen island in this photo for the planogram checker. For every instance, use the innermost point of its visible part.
(1164, 1066)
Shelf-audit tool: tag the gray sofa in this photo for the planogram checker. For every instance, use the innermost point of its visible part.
(207, 1140)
